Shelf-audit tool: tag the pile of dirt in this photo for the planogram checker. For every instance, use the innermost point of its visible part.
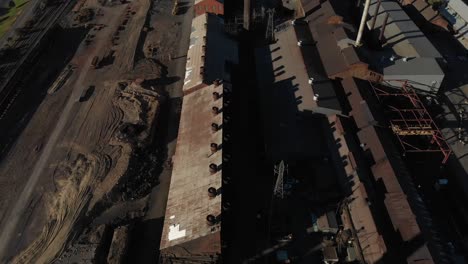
(64, 207)
(118, 246)
(145, 69)
(85, 178)
(90, 248)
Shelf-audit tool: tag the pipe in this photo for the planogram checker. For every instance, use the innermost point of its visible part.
(384, 25)
(374, 18)
(213, 147)
(363, 23)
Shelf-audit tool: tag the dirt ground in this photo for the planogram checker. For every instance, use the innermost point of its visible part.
(79, 154)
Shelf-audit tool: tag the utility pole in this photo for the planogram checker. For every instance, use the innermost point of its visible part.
(279, 186)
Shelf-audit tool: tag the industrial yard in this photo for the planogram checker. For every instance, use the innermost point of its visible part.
(210, 131)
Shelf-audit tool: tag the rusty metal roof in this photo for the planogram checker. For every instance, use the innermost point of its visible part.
(188, 202)
(333, 40)
(360, 109)
(401, 215)
(294, 66)
(209, 50)
(361, 216)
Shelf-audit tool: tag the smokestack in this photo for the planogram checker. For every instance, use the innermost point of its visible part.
(382, 30)
(246, 14)
(363, 23)
(374, 18)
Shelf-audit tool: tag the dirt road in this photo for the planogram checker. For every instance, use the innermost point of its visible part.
(24, 198)
(176, 67)
(144, 247)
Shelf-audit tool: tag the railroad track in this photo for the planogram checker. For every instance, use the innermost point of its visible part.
(13, 73)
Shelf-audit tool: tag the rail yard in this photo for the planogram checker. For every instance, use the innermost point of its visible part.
(255, 131)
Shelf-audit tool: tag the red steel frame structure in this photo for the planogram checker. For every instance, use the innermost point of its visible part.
(409, 118)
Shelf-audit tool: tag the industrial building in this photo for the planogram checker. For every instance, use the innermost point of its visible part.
(385, 187)
(340, 116)
(411, 56)
(193, 218)
(211, 53)
(334, 40)
(293, 88)
(456, 13)
(192, 224)
(382, 210)
(293, 65)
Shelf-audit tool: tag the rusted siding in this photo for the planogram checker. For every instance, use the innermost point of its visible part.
(209, 6)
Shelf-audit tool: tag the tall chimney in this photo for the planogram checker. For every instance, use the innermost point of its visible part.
(247, 14)
(363, 23)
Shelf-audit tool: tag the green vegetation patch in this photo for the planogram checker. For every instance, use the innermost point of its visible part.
(7, 19)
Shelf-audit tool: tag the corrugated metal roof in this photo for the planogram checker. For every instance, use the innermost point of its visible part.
(286, 54)
(460, 7)
(307, 6)
(297, 65)
(401, 215)
(188, 202)
(415, 66)
(384, 170)
(401, 32)
(333, 41)
(208, 52)
(362, 218)
(369, 137)
(360, 110)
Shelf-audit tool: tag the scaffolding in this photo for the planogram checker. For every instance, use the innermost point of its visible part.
(410, 121)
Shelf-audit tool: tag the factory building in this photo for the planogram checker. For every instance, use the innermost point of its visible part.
(293, 89)
(456, 12)
(193, 218)
(211, 53)
(383, 204)
(411, 55)
(192, 223)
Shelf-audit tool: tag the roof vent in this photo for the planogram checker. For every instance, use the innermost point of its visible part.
(214, 147)
(213, 168)
(299, 43)
(405, 59)
(226, 206)
(212, 192)
(215, 110)
(316, 97)
(311, 80)
(211, 220)
(216, 96)
(214, 127)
